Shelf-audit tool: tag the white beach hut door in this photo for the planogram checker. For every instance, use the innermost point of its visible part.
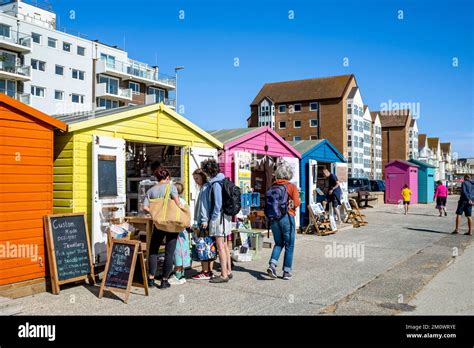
(108, 190)
(312, 182)
(294, 162)
(196, 156)
(340, 170)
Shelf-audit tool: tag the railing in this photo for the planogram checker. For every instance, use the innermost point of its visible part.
(22, 97)
(141, 71)
(16, 38)
(166, 79)
(104, 88)
(24, 70)
(153, 98)
(51, 24)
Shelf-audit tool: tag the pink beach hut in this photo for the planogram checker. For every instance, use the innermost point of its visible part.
(397, 174)
(249, 156)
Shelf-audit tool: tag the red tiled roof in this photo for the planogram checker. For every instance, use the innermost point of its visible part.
(302, 90)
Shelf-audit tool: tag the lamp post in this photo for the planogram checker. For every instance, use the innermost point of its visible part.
(176, 85)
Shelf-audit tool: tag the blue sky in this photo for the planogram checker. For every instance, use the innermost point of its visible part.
(408, 60)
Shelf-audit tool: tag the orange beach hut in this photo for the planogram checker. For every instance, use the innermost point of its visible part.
(26, 192)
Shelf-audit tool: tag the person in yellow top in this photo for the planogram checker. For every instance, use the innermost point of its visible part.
(406, 194)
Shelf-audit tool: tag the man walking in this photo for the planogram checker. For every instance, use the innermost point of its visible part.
(465, 204)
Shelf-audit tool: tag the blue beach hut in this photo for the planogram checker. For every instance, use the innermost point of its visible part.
(315, 156)
(426, 182)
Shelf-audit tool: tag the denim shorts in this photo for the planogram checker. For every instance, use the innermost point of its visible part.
(219, 228)
(464, 207)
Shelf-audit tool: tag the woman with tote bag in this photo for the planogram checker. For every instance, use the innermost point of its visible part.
(159, 191)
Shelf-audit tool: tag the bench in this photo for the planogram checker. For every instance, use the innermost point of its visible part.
(365, 196)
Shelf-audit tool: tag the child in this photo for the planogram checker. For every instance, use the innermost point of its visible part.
(182, 257)
(406, 194)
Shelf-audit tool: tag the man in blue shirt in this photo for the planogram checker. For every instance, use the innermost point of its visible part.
(465, 204)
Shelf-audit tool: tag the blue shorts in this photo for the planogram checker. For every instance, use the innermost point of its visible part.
(464, 207)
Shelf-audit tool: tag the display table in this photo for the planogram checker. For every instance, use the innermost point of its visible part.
(257, 233)
(144, 223)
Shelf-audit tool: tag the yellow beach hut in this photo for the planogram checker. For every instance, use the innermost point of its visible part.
(102, 165)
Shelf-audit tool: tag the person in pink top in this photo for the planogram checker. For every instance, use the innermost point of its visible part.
(440, 196)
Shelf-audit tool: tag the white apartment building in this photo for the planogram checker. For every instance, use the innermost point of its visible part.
(435, 147)
(413, 140)
(59, 73)
(376, 149)
(447, 158)
(358, 136)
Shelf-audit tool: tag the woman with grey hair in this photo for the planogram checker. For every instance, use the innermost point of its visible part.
(281, 201)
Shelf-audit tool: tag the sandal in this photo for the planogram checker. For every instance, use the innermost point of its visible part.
(468, 234)
(219, 279)
(454, 232)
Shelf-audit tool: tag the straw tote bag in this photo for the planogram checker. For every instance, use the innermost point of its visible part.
(166, 214)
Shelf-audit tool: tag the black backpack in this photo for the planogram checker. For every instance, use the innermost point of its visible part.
(230, 197)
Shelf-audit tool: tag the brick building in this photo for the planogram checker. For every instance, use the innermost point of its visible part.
(395, 135)
(307, 109)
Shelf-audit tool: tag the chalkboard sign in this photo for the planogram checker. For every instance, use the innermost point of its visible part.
(120, 265)
(107, 173)
(120, 268)
(69, 251)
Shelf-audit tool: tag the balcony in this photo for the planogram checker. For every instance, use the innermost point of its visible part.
(15, 72)
(116, 93)
(25, 98)
(14, 41)
(136, 71)
(153, 98)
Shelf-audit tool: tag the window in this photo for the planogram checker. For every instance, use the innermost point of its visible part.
(135, 87)
(281, 108)
(109, 59)
(313, 106)
(4, 30)
(81, 51)
(58, 95)
(8, 87)
(160, 94)
(265, 110)
(313, 137)
(108, 104)
(67, 46)
(313, 122)
(296, 138)
(297, 107)
(78, 74)
(282, 125)
(53, 43)
(38, 91)
(38, 65)
(36, 38)
(349, 109)
(59, 70)
(77, 98)
(297, 124)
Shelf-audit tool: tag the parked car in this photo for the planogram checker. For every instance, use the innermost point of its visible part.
(377, 185)
(358, 184)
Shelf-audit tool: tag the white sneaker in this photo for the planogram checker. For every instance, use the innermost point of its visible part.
(182, 280)
(174, 281)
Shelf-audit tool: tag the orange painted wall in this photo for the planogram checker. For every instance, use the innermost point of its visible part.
(26, 180)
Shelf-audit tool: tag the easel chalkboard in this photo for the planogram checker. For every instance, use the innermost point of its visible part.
(69, 252)
(121, 267)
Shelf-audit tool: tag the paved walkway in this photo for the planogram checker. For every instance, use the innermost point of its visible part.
(322, 280)
(451, 292)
